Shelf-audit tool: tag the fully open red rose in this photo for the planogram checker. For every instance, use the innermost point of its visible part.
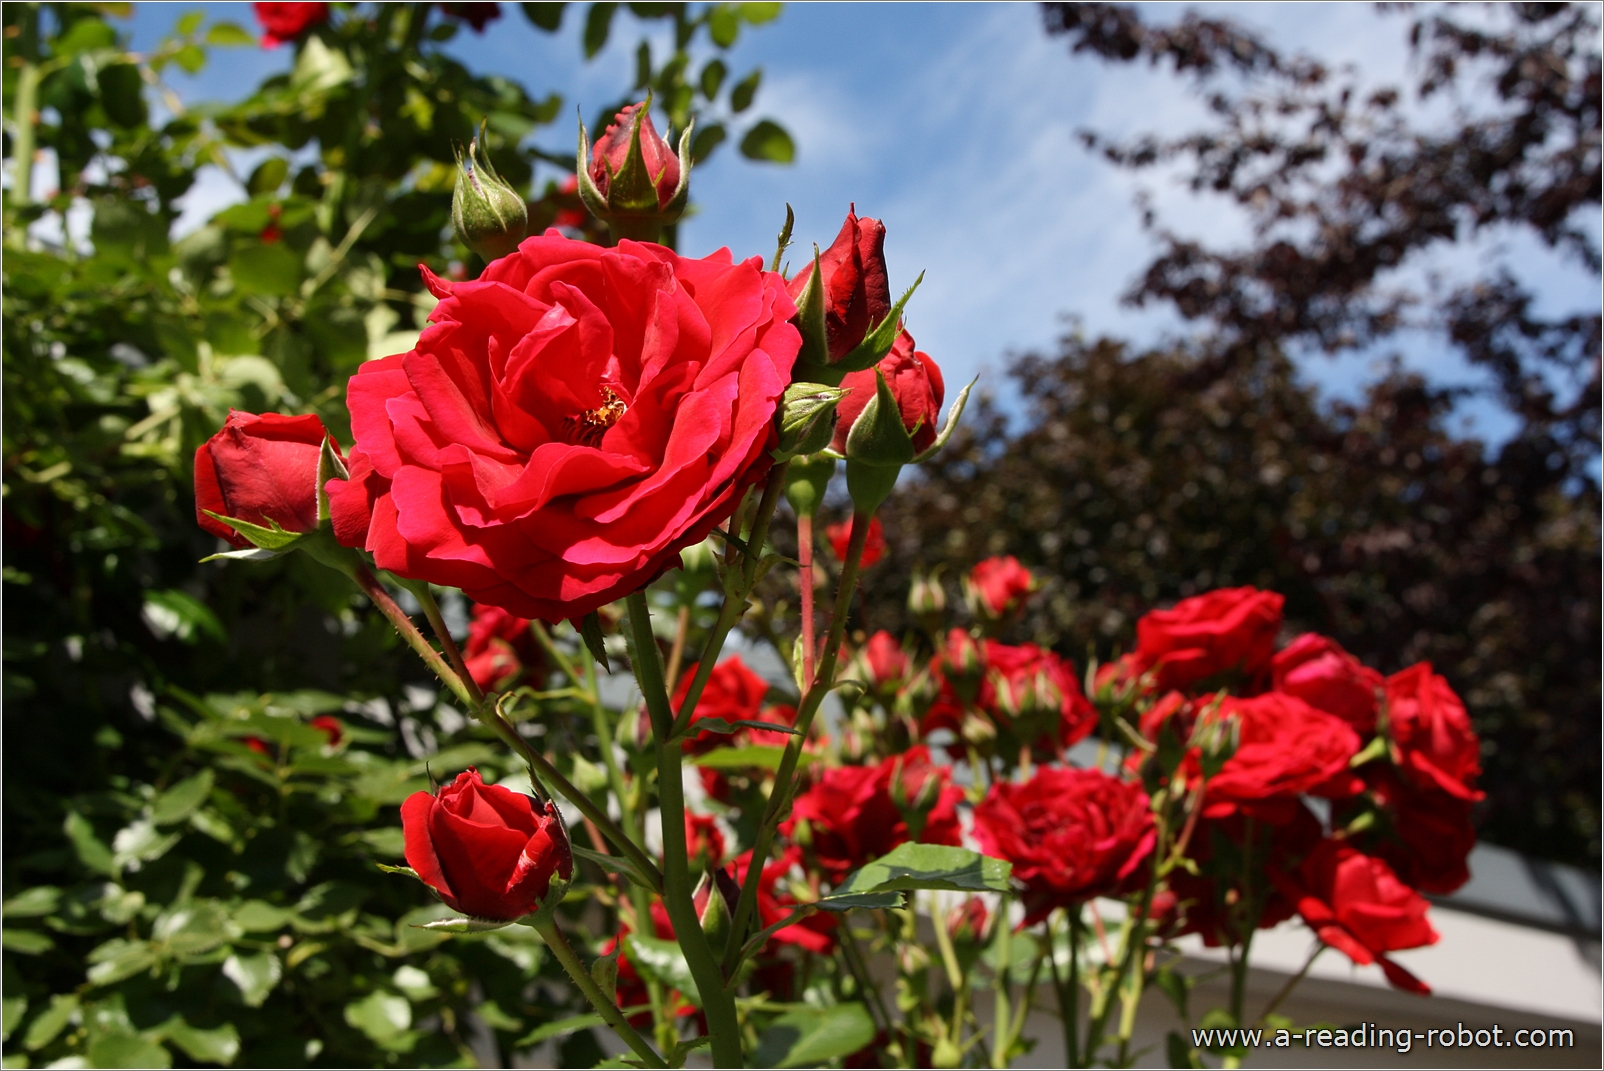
(857, 292)
(286, 22)
(1071, 834)
(1230, 630)
(915, 382)
(1427, 835)
(1287, 749)
(1318, 671)
(488, 851)
(1357, 905)
(1432, 733)
(874, 543)
(851, 817)
(261, 469)
(568, 423)
(998, 586)
(501, 650)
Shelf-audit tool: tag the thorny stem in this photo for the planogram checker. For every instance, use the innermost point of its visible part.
(431, 610)
(409, 632)
(785, 776)
(718, 1002)
(604, 1005)
(682, 627)
(1000, 1017)
(804, 557)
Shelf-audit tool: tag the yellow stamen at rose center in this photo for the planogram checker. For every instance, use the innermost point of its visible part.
(588, 427)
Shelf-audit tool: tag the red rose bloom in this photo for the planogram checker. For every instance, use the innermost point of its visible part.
(260, 469)
(1033, 693)
(885, 666)
(704, 841)
(1210, 903)
(998, 586)
(1429, 837)
(501, 650)
(874, 544)
(815, 934)
(568, 423)
(1357, 905)
(857, 293)
(329, 726)
(1230, 630)
(488, 851)
(286, 22)
(852, 819)
(733, 693)
(1286, 749)
(915, 382)
(1435, 743)
(1071, 834)
(612, 150)
(1318, 671)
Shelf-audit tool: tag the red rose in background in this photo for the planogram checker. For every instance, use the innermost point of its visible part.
(286, 22)
(1436, 745)
(1430, 836)
(857, 293)
(568, 424)
(260, 469)
(999, 586)
(488, 851)
(886, 667)
(329, 726)
(1357, 905)
(1232, 629)
(915, 382)
(1287, 749)
(851, 816)
(1071, 834)
(816, 933)
(1318, 671)
(476, 15)
(1026, 686)
(1210, 903)
(501, 650)
(612, 150)
(733, 693)
(704, 841)
(874, 544)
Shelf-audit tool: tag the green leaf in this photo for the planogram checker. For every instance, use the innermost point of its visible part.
(196, 927)
(756, 14)
(613, 864)
(120, 958)
(495, 1018)
(12, 1009)
(90, 851)
(259, 916)
(918, 866)
(32, 903)
(741, 96)
(229, 35)
(268, 176)
(319, 69)
(662, 962)
(712, 77)
(122, 94)
(26, 942)
(219, 1045)
(723, 25)
(757, 757)
(557, 1029)
(381, 1016)
(138, 843)
(191, 58)
(85, 35)
(590, 631)
(189, 22)
(464, 924)
(180, 801)
(707, 139)
(548, 17)
(50, 1022)
(808, 1037)
(768, 141)
(127, 1050)
(266, 268)
(254, 975)
(598, 24)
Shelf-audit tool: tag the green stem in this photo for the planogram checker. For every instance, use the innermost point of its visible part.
(604, 1005)
(1072, 1021)
(1000, 1016)
(416, 640)
(718, 1003)
(804, 557)
(1292, 983)
(24, 107)
(785, 776)
(431, 610)
(734, 602)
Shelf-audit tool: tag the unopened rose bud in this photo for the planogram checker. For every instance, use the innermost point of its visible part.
(915, 697)
(884, 665)
(927, 597)
(491, 217)
(963, 663)
(995, 590)
(967, 922)
(632, 181)
(851, 275)
(978, 730)
(257, 479)
(807, 419)
(887, 420)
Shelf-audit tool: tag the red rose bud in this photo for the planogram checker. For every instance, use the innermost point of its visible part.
(1071, 834)
(884, 665)
(491, 217)
(995, 589)
(1356, 904)
(489, 852)
(1318, 671)
(262, 470)
(967, 922)
(927, 597)
(1227, 631)
(874, 544)
(1435, 745)
(963, 663)
(855, 288)
(286, 22)
(632, 180)
(1033, 693)
(329, 726)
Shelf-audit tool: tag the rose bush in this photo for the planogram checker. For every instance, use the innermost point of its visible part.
(568, 423)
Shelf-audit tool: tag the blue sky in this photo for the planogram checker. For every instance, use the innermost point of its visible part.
(955, 124)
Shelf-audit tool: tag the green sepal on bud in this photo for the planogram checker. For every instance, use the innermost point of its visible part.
(813, 359)
(807, 419)
(270, 541)
(806, 481)
(876, 449)
(491, 218)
